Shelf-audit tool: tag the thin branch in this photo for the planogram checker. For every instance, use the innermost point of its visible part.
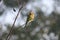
(13, 25)
(9, 34)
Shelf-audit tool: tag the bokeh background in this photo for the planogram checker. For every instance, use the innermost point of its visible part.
(46, 24)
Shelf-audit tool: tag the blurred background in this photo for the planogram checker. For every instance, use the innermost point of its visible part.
(46, 24)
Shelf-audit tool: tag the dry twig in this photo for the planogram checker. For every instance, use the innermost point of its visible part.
(9, 34)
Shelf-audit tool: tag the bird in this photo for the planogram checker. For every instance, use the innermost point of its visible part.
(30, 17)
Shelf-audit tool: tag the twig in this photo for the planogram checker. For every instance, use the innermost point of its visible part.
(9, 34)
(7, 38)
(11, 30)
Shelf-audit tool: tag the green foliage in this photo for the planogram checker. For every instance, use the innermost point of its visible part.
(10, 3)
(1, 13)
(14, 3)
